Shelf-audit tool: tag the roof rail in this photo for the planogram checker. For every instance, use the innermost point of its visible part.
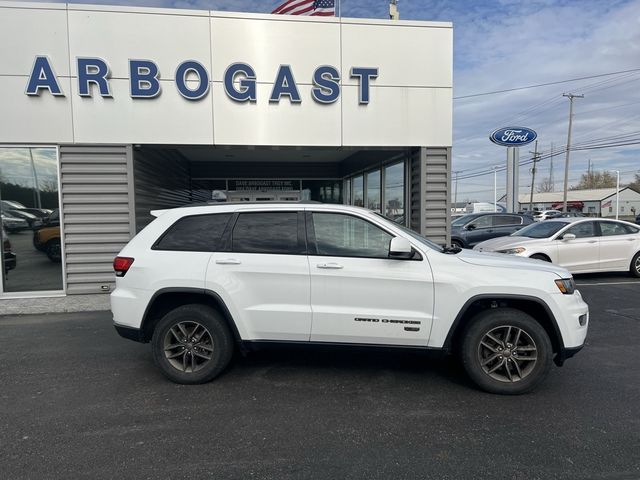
(213, 202)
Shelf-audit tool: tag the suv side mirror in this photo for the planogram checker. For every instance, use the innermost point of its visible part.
(568, 236)
(470, 226)
(400, 248)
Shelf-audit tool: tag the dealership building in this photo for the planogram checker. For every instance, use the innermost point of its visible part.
(111, 112)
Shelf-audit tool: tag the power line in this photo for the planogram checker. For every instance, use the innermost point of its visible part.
(544, 84)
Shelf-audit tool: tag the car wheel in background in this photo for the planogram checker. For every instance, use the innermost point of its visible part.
(457, 243)
(53, 250)
(539, 256)
(506, 351)
(192, 344)
(635, 265)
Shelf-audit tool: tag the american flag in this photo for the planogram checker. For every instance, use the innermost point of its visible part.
(324, 8)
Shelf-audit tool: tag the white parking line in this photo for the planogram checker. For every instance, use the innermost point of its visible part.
(607, 283)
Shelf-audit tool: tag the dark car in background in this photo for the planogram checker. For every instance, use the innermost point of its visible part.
(8, 256)
(469, 230)
(33, 216)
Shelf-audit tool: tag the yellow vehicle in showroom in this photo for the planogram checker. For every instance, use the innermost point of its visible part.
(47, 238)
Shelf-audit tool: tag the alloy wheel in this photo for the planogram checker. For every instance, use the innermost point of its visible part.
(507, 354)
(188, 346)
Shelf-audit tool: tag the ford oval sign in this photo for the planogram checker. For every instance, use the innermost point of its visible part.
(513, 136)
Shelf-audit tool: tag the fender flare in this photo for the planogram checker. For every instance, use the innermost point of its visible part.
(193, 291)
(501, 296)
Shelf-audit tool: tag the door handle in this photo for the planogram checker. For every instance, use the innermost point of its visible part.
(228, 261)
(331, 265)
(592, 241)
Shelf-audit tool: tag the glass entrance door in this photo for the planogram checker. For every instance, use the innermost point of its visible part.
(30, 234)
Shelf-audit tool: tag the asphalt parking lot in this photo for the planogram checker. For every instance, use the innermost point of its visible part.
(79, 402)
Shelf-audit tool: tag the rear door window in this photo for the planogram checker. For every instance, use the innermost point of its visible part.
(196, 233)
(609, 229)
(268, 232)
(504, 220)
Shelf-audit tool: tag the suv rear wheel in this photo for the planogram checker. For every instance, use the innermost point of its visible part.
(192, 344)
(506, 351)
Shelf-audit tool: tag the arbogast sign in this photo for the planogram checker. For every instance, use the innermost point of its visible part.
(193, 82)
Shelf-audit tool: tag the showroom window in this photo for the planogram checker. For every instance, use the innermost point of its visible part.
(381, 190)
(358, 191)
(31, 253)
(394, 192)
(373, 191)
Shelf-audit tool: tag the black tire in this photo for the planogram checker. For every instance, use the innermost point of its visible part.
(53, 250)
(457, 243)
(518, 372)
(634, 268)
(219, 341)
(539, 256)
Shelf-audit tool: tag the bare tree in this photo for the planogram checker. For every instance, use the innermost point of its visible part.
(545, 185)
(48, 185)
(635, 185)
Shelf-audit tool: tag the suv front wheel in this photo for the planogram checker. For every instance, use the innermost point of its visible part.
(506, 351)
(192, 344)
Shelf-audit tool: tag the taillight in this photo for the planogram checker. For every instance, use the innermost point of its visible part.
(7, 245)
(121, 265)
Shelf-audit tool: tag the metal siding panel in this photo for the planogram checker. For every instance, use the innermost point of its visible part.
(435, 203)
(96, 213)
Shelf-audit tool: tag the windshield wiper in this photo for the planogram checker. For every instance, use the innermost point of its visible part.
(451, 250)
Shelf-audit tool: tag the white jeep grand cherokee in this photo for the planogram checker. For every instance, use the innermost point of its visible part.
(200, 281)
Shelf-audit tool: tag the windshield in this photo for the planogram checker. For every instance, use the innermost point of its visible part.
(460, 221)
(540, 230)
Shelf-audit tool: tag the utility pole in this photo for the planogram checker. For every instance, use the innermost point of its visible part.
(495, 188)
(394, 13)
(551, 170)
(570, 96)
(455, 195)
(533, 175)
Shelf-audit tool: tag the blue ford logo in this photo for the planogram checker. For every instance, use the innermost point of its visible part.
(513, 136)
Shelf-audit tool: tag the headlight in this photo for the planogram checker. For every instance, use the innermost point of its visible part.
(512, 251)
(566, 285)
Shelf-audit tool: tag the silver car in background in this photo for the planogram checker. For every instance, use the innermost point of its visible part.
(581, 245)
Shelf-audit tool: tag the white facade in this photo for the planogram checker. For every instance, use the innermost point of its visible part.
(111, 112)
(410, 100)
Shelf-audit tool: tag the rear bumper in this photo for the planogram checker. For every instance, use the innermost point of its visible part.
(130, 333)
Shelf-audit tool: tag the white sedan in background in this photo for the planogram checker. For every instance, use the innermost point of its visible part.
(581, 245)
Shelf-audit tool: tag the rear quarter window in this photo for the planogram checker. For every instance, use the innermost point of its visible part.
(196, 233)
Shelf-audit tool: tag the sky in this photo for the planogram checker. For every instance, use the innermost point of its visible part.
(505, 44)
